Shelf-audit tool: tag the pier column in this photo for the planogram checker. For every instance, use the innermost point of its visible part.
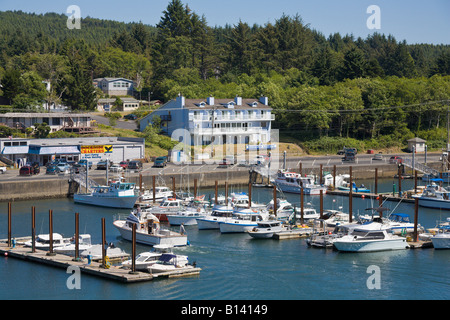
(9, 224)
(50, 233)
(321, 204)
(133, 249)
(399, 180)
(154, 189)
(350, 196)
(77, 237)
(249, 195)
(103, 244)
(275, 205)
(334, 176)
(416, 218)
(33, 229)
(173, 187)
(301, 206)
(195, 188)
(215, 191)
(376, 181)
(320, 174)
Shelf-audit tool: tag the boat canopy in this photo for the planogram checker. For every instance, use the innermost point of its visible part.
(399, 217)
(166, 257)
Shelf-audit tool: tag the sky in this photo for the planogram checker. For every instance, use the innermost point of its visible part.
(416, 21)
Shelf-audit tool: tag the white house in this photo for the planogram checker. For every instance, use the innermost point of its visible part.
(56, 120)
(128, 104)
(221, 121)
(115, 86)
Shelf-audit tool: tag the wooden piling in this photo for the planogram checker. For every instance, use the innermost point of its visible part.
(249, 195)
(216, 191)
(33, 229)
(301, 206)
(50, 235)
(350, 196)
(9, 224)
(195, 188)
(321, 204)
(376, 181)
(334, 176)
(133, 248)
(173, 188)
(154, 189)
(416, 218)
(103, 244)
(275, 205)
(77, 236)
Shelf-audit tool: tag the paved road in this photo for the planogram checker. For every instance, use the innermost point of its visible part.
(308, 162)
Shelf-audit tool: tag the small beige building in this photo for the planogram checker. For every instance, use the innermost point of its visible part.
(418, 143)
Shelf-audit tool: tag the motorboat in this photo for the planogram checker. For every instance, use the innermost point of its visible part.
(84, 243)
(328, 180)
(160, 194)
(42, 241)
(242, 220)
(292, 182)
(309, 213)
(434, 196)
(336, 217)
(95, 252)
(165, 208)
(187, 216)
(355, 188)
(242, 200)
(147, 258)
(265, 229)
(284, 209)
(170, 262)
(115, 195)
(400, 223)
(148, 230)
(361, 240)
(442, 238)
(220, 211)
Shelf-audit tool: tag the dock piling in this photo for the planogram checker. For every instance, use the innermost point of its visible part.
(9, 224)
(50, 233)
(103, 244)
(133, 249)
(77, 237)
(350, 196)
(154, 189)
(33, 229)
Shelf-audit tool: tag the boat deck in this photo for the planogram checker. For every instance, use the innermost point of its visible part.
(116, 273)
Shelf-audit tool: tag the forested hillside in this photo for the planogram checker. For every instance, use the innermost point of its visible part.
(319, 85)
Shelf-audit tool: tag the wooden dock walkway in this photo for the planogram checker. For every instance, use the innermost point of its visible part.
(115, 273)
(368, 195)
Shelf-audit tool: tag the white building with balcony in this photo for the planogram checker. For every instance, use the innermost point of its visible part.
(221, 121)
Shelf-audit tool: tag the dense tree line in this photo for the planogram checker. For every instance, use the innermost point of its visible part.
(336, 85)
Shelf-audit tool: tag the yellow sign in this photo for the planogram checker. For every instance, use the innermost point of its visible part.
(97, 149)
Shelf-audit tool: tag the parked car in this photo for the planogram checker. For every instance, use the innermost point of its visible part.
(124, 164)
(135, 165)
(36, 168)
(115, 168)
(130, 116)
(101, 165)
(62, 167)
(51, 169)
(160, 162)
(26, 171)
(3, 169)
(83, 162)
(378, 156)
(395, 159)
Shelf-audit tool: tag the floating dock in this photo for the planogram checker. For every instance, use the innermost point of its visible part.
(116, 273)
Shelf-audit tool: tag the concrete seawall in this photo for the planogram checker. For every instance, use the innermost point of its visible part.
(60, 187)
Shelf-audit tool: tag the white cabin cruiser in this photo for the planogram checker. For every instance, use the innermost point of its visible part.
(147, 258)
(360, 240)
(84, 243)
(148, 230)
(242, 220)
(219, 212)
(116, 195)
(442, 238)
(160, 194)
(42, 241)
(434, 196)
(187, 216)
(265, 229)
(170, 262)
(292, 182)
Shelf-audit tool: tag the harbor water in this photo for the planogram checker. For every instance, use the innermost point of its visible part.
(235, 266)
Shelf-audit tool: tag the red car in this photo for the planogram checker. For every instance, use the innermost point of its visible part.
(395, 159)
(124, 164)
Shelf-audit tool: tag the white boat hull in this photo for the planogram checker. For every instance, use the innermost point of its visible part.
(158, 268)
(164, 237)
(371, 245)
(209, 223)
(434, 203)
(236, 227)
(441, 242)
(178, 220)
(297, 189)
(111, 202)
(70, 250)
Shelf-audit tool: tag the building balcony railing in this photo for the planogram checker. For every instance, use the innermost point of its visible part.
(219, 131)
(267, 117)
